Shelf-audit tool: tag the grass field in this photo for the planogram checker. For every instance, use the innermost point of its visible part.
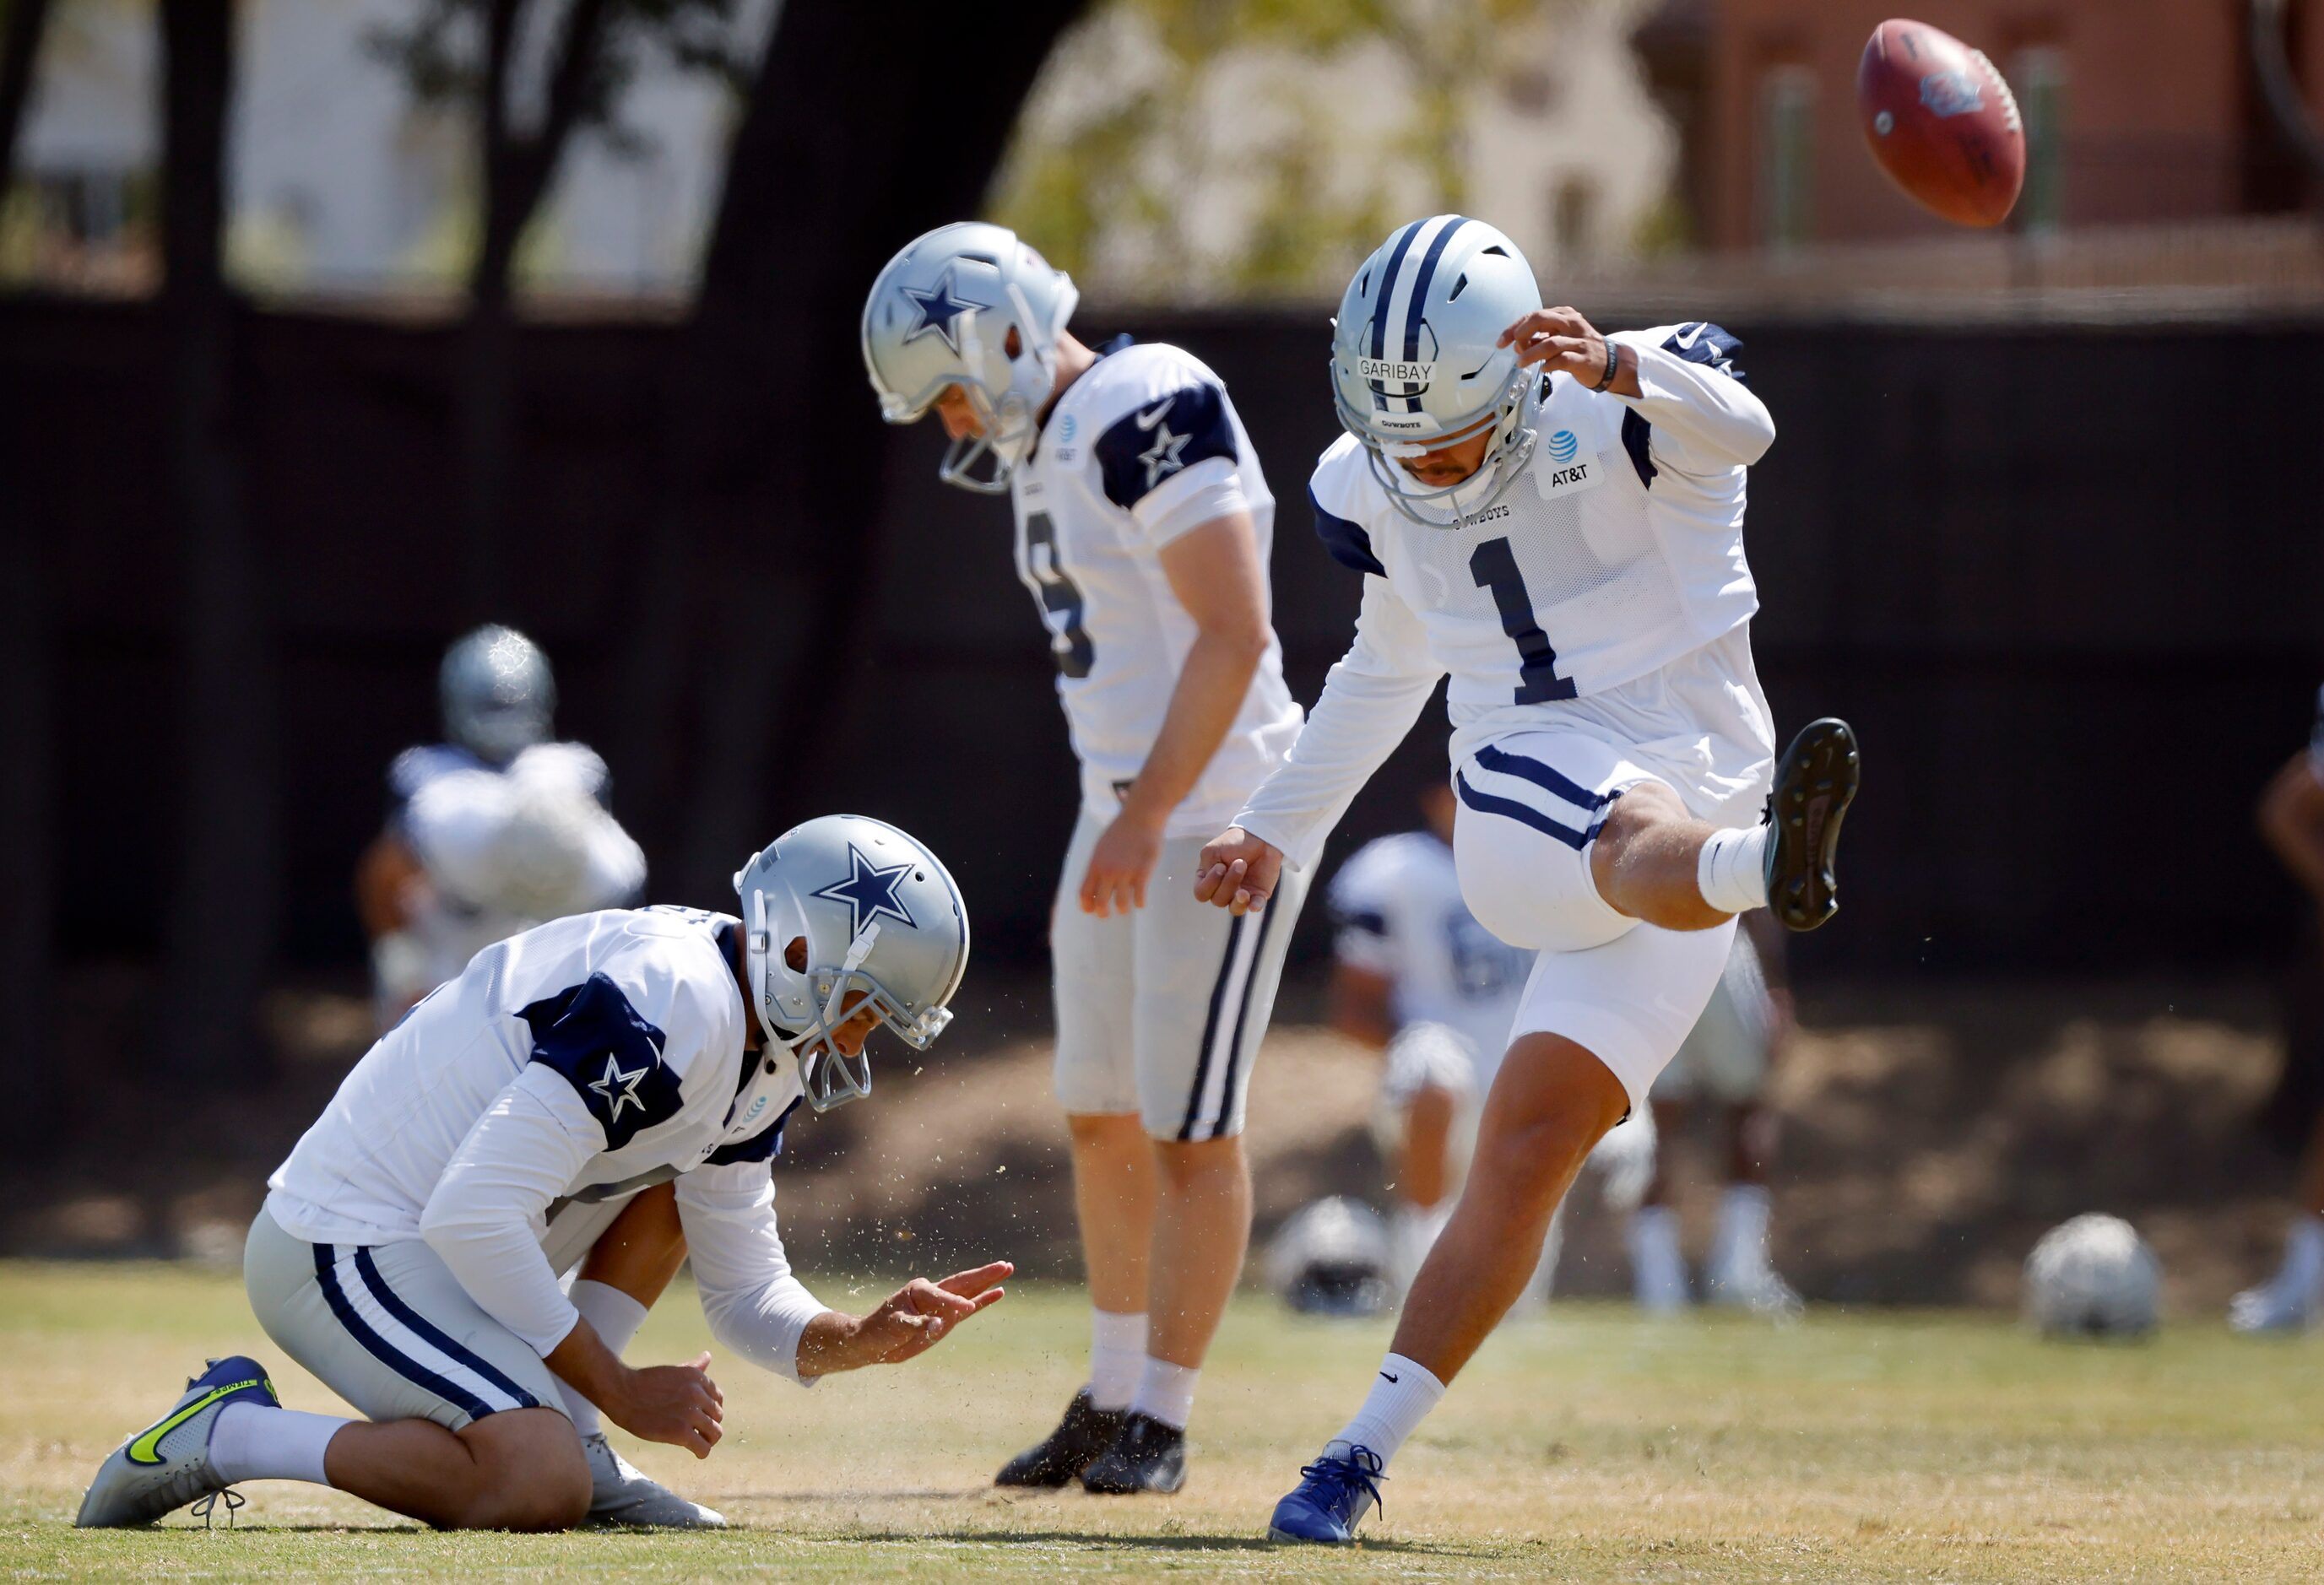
(1583, 1444)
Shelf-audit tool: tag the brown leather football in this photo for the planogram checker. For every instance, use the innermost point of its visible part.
(1942, 123)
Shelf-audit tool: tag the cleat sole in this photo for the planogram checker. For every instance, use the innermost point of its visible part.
(1817, 782)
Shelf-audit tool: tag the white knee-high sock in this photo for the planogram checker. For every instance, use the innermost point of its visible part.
(1116, 1357)
(1167, 1392)
(1658, 1269)
(1738, 1243)
(1403, 1393)
(616, 1317)
(1731, 870)
(251, 1442)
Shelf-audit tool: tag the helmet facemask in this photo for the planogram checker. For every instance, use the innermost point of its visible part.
(1458, 505)
(837, 994)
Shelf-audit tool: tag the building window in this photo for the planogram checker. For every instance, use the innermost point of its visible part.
(2038, 77)
(1787, 156)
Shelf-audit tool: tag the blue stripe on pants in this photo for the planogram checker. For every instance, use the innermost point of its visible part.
(1525, 815)
(326, 1275)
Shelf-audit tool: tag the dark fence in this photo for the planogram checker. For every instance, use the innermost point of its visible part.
(2067, 584)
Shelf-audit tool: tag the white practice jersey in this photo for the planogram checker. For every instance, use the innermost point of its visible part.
(1617, 554)
(579, 1061)
(1143, 448)
(503, 847)
(1397, 910)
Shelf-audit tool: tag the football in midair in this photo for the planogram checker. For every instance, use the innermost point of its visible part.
(1942, 123)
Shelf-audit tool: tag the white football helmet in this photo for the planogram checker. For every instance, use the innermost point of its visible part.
(1415, 365)
(940, 314)
(2092, 1276)
(498, 696)
(880, 915)
(1333, 1258)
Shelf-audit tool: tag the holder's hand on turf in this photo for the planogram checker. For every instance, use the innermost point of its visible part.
(1238, 871)
(910, 1321)
(675, 1403)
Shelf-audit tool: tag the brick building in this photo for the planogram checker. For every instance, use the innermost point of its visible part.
(2137, 111)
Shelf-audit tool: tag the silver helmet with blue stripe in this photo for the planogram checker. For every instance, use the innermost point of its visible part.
(498, 696)
(883, 927)
(940, 314)
(1416, 363)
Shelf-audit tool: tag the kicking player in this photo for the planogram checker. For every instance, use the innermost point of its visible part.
(1554, 518)
(490, 831)
(1143, 529)
(1724, 1061)
(597, 1081)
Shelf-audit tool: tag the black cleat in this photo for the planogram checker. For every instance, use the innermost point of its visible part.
(1079, 1437)
(1814, 784)
(1147, 1456)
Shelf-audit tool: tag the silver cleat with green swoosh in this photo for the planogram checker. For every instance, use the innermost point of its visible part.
(167, 1465)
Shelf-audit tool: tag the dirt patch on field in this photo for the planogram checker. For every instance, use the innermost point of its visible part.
(1929, 1138)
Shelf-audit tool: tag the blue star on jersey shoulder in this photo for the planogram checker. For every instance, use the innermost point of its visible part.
(935, 310)
(1699, 342)
(869, 891)
(1166, 436)
(590, 1037)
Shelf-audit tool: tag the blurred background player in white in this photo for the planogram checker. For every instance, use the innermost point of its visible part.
(1724, 1064)
(1143, 527)
(1553, 517)
(599, 1082)
(1419, 979)
(2291, 821)
(490, 832)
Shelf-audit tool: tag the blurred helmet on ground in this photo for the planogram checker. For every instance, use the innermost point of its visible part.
(498, 698)
(2093, 1276)
(1334, 1258)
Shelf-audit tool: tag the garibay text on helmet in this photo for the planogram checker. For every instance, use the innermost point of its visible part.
(1416, 367)
(940, 314)
(498, 698)
(880, 915)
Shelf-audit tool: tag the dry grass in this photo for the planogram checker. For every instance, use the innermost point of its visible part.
(1581, 1445)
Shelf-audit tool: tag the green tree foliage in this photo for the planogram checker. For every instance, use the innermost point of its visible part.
(1120, 171)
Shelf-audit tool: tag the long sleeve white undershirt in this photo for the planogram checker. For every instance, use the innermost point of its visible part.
(753, 1302)
(1705, 422)
(1369, 701)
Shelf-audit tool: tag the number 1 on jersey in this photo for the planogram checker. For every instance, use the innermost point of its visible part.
(1494, 566)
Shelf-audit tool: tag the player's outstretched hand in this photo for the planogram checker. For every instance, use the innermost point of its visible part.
(909, 1322)
(675, 1403)
(1238, 871)
(1562, 342)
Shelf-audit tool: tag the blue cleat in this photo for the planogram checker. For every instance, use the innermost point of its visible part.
(1332, 1496)
(167, 1465)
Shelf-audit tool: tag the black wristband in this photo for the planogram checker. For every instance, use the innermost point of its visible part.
(1613, 363)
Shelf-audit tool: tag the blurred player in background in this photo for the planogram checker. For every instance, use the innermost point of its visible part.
(609, 1090)
(1419, 979)
(2291, 821)
(1553, 518)
(490, 832)
(1143, 526)
(1723, 1062)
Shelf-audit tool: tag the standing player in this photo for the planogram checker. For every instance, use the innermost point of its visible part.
(599, 1081)
(2292, 823)
(1724, 1061)
(1553, 517)
(490, 831)
(1143, 529)
(1418, 978)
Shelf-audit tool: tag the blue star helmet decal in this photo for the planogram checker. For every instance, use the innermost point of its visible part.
(869, 891)
(933, 311)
